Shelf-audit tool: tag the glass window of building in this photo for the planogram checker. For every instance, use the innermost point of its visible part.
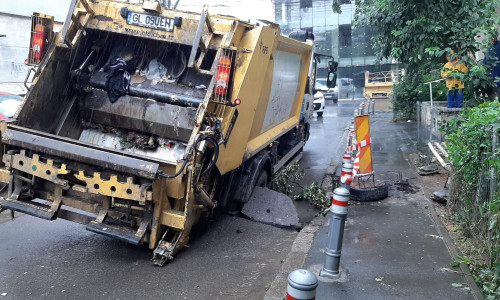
(336, 35)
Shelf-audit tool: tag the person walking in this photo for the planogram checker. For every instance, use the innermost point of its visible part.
(450, 72)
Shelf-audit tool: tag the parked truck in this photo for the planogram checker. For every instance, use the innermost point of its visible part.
(378, 85)
(142, 121)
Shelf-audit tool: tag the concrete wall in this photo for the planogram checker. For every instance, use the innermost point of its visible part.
(14, 47)
(436, 117)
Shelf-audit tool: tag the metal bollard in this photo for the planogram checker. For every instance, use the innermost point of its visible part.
(351, 135)
(355, 112)
(369, 105)
(373, 106)
(361, 108)
(336, 233)
(346, 176)
(302, 285)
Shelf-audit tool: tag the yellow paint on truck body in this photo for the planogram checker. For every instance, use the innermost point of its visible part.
(269, 75)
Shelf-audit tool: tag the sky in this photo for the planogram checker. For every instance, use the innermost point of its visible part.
(260, 9)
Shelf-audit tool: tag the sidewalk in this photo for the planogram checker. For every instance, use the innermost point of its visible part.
(392, 248)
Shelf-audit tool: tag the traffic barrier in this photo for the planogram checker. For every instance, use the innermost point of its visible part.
(302, 285)
(364, 145)
(346, 175)
(336, 233)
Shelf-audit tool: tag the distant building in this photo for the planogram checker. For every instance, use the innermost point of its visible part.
(335, 35)
(15, 32)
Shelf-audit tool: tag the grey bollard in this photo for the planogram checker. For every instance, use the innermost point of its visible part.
(368, 107)
(373, 106)
(336, 233)
(361, 108)
(355, 112)
(351, 135)
(346, 175)
(302, 285)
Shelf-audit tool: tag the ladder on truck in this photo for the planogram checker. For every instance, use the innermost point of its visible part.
(73, 28)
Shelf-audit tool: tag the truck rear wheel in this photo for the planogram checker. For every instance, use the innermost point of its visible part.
(262, 179)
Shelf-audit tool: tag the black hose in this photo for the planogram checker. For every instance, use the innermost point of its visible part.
(215, 157)
(180, 171)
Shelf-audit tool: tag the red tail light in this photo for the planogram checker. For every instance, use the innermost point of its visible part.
(38, 42)
(223, 71)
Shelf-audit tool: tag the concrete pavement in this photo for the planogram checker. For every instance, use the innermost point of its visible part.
(393, 249)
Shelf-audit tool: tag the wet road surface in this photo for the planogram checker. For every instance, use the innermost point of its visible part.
(233, 259)
(392, 248)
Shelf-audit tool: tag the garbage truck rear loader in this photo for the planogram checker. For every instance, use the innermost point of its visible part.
(141, 120)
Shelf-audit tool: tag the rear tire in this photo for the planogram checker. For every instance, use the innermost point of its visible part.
(262, 179)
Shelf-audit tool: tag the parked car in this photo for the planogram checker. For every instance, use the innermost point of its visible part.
(345, 87)
(9, 103)
(319, 104)
(329, 94)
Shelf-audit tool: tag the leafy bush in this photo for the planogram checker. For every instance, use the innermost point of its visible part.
(476, 173)
(316, 197)
(288, 178)
(412, 89)
(285, 180)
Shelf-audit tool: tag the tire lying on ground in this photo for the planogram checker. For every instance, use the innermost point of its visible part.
(369, 193)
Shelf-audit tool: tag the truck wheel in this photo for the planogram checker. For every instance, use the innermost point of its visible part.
(379, 192)
(262, 179)
(320, 114)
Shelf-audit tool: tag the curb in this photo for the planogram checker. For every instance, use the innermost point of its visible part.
(300, 248)
(294, 260)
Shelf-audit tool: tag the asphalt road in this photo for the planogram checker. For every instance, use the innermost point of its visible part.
(233, 259)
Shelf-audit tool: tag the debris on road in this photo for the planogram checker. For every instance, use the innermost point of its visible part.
(270, 207)
(406, 186)
(440, 196)
(428, 170)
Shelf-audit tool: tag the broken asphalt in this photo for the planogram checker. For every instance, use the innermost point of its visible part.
(394, 248)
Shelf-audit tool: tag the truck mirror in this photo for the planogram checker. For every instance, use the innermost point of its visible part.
(332, 66)
(331, 80)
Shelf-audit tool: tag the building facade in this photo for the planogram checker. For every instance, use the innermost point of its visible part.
(336, 35)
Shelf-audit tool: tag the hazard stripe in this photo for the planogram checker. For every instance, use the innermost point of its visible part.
(365, 143)
(356, 165)
(339, 203)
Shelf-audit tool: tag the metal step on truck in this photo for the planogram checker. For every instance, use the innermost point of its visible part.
(141, 121)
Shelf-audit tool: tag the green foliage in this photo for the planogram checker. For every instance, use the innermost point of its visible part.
(406, 28)
(489, 281)
(476, 163)
(412, 89)
(288, 178)
(420, 33)
(314, 194)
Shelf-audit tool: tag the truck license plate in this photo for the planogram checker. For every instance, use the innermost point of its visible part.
(150, 21)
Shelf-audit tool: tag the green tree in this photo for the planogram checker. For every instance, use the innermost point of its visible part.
(422, 33)
(416, 30)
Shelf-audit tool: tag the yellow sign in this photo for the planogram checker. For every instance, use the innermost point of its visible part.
(364, 145)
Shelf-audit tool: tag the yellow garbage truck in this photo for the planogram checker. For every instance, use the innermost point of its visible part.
(141, 121)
